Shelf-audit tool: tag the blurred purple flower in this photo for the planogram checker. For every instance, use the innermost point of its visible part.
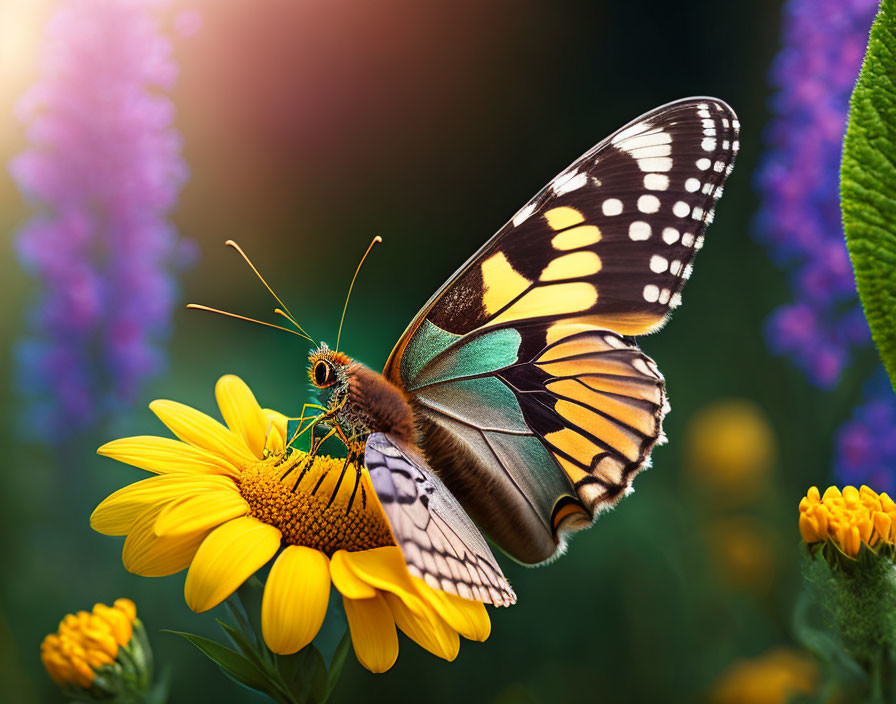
(866, 445)
(799, 222)
(103, 169)
(798, 181)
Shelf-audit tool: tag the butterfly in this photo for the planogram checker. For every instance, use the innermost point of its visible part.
(517, 403)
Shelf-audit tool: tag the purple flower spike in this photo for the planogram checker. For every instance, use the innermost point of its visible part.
(798, 181)
(799, 221)
(102, 170)
(866, 445)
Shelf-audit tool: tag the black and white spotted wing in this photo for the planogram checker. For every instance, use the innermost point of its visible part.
(610, 238)
(440, 543)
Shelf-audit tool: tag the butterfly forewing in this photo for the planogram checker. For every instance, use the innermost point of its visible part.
(440, 543)
(521, 370)
(612, 236)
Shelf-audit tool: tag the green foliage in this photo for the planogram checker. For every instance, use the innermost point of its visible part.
(301, 678)
(858, 640)
(868, 184)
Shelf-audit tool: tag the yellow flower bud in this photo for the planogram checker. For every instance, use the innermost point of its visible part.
(849, 518)
(85, 643)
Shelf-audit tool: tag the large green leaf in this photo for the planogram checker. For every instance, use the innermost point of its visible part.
(868, 184)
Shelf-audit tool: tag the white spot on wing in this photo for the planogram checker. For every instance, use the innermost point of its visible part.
(523, 214)
(656, 182)
(660, 163)
(569, 182)
(651, 293)
(670, 235)
(611, 206)
(648, 204)
(681, 209)
(639, 230)
(658, 264)
(630, 132)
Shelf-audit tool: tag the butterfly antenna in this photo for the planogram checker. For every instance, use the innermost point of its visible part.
(374, 241)
(196, 306)
(285, 312)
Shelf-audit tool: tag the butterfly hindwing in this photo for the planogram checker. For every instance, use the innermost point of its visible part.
(440, 543)
(552, 435)
(529, 392)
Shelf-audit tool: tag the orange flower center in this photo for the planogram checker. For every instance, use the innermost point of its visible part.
(314, 503)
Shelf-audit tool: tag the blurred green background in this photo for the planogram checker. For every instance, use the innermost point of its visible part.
(312, 126)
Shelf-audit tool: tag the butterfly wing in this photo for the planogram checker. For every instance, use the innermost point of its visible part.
(601, 253)
(440, 543)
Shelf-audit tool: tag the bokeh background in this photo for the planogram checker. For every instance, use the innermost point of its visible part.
(310, 126)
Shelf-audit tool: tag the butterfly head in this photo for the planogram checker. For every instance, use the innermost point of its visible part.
(328, 370)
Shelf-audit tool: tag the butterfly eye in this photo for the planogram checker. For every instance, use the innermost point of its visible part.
(323, 374)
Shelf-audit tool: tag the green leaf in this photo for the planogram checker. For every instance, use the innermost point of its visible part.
(337, 663)
(868, 184)
(232, 663)
(250, 595)
(241, 641)
(305, 673)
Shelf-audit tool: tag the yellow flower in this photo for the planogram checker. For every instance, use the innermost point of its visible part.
(731, 449)
(744, 551)
(772, 678)
(226, 499)
(102, 651)
(848, 519)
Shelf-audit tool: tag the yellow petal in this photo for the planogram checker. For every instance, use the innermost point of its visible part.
(809, 529)
(118, 512)
(241, 412)
(164, 455)
(228, 557)
(374, 638)
(275, 426)
(466, 616)
(146, 554)
(198, 429)
(295, 600)
(428, 631)
(384, 568)
(345, 580)
(201, 512)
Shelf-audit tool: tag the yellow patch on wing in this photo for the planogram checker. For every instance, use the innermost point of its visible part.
(617, 437)
(571, 266)
(576, 346)
(574, 444)
(595, 365)
(576, 237)
(573, 471)
(556, 299)
(628, 412)
(502, 283)
(625, 387)
(563, 217)
(573, 515)
(630, 323)
(564, 328)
